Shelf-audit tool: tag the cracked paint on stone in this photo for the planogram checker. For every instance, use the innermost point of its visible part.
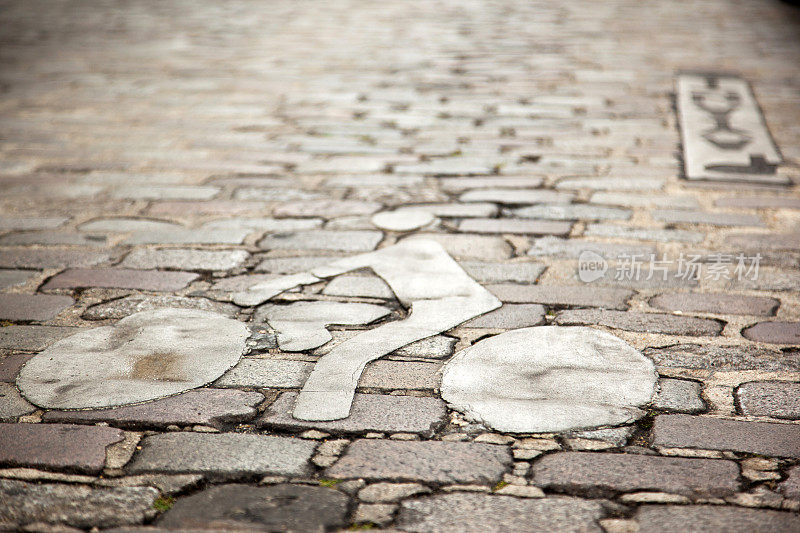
(148, 355)
(549, 378)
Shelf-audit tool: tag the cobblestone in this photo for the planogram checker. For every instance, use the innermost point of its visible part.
(23, 503)
(325, 208)
(478, 247)
(612, 184)
(11, 278)
(10, 365)
(340, 241)
(510, 316)
(572, 212)
(776, 399)
(190, 236)
(724, 304)
(724, 358)
(266, 373)
(641, 322)
(510, 225)
(492, 513)
(32, 338)
(184, 259)
(51, 258)
(432, 462)
(595, 474)
(644, 200)
(768, 242)
(370, 412)
(222, 455)
(209, 407)
(56, 446)
(120, 278)
(496, 272)
(563, 295)
(644, 234)
(390, 492)
(774, 332)
(759, 202)
(167, 158)
(12, 404)
(658, 518)
(678, 216)
(52, 238)
(683, 431)
(679, 395)
(515, 196)
(137, 303)
(276, 508)
(572, 248)
(38, 307)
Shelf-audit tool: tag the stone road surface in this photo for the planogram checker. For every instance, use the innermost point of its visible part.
(171, 154)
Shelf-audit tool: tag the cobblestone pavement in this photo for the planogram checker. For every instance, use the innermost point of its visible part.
(173, 154)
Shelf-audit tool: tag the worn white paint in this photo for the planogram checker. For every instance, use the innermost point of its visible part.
(301, 325)
(549, 378)
(148, 355)
(405, 219)
(261, 292)
(425, 279)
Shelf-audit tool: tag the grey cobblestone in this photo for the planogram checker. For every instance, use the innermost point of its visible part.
(370, 412)
(644, 234)
(644, 200)
(496, 272)
(664, 518)
(515, 196)
(276, 508)
(722, 304)
(56, 446)
(340, 241)
(641, 322)
(679, 395)
(136, 303)
(121, 278)
(228, 454)
(776, 399)
(12, 404)
(51, 258)
(678, 216)
(39, 307)
(184, 259)
(490, 513)
(169, 155)
(683, 431)
(510, 225)
(32, 338)
(209, 407)
(433, 462)
(724, 358)
(74, 505)
(774, 332)
(596, 474)
(11, 278)
(579, 296)
(465, 246)
(572, 248)
(572, 212)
